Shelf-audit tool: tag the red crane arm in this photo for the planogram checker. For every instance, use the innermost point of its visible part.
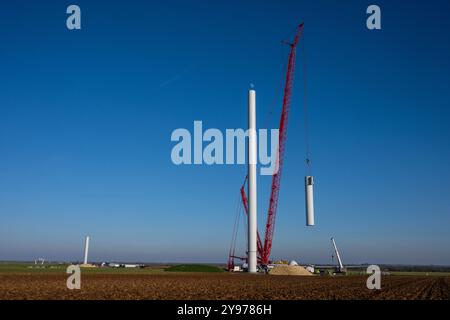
(276, 178)
(245, 203)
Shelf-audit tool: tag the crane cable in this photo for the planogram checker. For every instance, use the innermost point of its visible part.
(236, 227)
(278, 90)
(271, 110)
(305, 110)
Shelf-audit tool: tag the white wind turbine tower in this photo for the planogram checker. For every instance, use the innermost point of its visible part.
(86, 250)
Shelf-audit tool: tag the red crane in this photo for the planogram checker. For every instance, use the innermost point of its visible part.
(264, 250)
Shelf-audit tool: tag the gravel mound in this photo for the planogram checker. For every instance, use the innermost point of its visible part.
(285, 270)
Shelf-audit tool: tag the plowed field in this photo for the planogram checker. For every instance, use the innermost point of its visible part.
(220, 286)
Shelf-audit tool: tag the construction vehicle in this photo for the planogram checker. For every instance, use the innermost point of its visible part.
(339, 269)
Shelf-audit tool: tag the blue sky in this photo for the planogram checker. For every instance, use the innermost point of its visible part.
(86, 118)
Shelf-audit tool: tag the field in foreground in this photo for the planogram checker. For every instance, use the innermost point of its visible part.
(218, 286)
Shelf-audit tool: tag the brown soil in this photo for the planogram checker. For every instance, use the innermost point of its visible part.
(219, 286)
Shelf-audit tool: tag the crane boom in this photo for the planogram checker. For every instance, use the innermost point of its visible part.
(276, 178)
(341, 267)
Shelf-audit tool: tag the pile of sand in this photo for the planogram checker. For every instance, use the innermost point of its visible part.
(285, 270)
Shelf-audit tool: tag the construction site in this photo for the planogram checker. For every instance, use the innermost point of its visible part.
(251, 274)
(257, 258)
(95, 184)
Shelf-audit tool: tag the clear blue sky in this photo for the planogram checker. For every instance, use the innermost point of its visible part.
(86, 118)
